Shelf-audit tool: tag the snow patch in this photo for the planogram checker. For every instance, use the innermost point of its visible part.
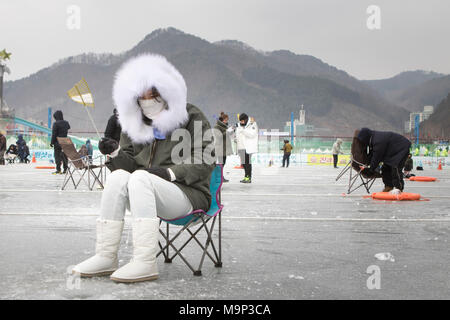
(385, 256)
(291, 276)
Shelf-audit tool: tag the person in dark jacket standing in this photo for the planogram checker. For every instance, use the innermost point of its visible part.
(113, 128)
(2, 148)
(223, 140)
(26, 152)
(60, 129)
(392, 150)
(148, 176)
(21, 151)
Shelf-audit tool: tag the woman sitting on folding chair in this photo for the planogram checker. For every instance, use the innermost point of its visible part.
(146, 178)
(392, 150)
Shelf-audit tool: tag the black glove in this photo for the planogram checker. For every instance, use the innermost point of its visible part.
(367, 172)
(107, 145)
(160, 172)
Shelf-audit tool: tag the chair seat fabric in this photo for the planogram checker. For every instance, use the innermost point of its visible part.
(214, 188)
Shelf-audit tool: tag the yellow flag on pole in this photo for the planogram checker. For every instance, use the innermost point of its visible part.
(81, 94)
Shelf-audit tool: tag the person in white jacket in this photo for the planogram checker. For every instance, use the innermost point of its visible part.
(247, 144)
(336, 151)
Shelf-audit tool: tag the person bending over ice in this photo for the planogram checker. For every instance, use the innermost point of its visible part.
(150, 95)
(392, 150)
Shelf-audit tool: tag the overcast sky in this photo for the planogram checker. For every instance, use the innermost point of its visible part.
(414, 34)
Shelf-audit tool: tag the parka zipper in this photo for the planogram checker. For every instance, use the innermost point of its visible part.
(152, 153)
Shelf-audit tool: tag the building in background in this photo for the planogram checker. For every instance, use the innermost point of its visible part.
(300, 126)
(421, 116)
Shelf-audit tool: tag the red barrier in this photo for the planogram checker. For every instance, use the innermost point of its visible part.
(424, 179)
(404, 196)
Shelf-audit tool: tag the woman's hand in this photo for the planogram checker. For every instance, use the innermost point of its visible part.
(107, 146)
(160, 172)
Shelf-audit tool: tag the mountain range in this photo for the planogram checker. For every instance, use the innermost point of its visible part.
(233, 77)
(438, 124)
(413, 89)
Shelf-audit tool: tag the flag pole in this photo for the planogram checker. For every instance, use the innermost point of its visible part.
(87, 110)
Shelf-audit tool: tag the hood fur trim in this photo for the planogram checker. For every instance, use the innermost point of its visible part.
(136, 76)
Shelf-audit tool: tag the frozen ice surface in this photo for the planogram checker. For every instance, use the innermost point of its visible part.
(290, 234)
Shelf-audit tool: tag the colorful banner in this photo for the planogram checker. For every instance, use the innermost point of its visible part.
(432, 162)
(48, 154)
(326, 159)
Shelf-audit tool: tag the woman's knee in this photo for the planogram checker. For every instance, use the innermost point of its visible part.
(140, 179)
(118, 178)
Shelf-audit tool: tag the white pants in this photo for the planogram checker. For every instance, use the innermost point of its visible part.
(144, 194)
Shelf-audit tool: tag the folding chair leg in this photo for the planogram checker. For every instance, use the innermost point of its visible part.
(89, 180)
(208, 241)
(370, 184)
(100, 174)
(176, 250)
(97, 178)
(215, 255)
(66, 179)
(70, 176)
(167, 255)
(347, 166)
(215, 261)
(81, 178)
(350, 180)
(219, 262)
(183, 258)
(366, 185)
(192, 237)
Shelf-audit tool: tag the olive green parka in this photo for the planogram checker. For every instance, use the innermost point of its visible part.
(192, 175)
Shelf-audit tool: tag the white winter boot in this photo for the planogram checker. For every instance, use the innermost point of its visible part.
(143, 266)
(105, 260)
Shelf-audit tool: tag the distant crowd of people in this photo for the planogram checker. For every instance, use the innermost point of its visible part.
(18, 151)
(60, 129)
(245, 134)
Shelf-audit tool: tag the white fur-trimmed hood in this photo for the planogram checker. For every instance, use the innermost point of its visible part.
(133, 78)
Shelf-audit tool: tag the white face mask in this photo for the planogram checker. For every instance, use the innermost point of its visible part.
(152, 107)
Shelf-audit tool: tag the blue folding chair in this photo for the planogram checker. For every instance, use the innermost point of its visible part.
(198, 217)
